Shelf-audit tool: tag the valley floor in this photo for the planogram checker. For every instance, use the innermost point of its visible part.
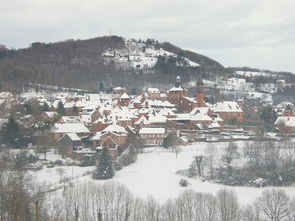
(154, 174)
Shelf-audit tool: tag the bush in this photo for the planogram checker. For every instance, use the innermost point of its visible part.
(183, 183)
(87, 160)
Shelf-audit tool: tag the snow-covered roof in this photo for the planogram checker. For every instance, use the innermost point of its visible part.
(124, 118)
(119, 88)
(51, 114)
(121, 114)
(70, 104)
(227, 106)
(288, 121)
(74, 136)
(152, 130)
(176, 89)
(153, 90)
(163, 95)
(196, 110)
(157, 103)
(166, 112)
(125, 96)
(143, 111)
(90, 106)
(191, 99)
(181, 117)
(201, 117)
(70, 128)
(86, 118)
(214, 125)
(142, 120)
(157, 119)
(115, 128)
(167, 104)
(97, 136)
(71, 119)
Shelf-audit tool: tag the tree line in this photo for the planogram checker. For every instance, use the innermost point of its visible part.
(22, 200)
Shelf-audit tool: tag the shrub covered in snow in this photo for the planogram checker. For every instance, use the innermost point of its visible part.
(183, 182)
(87, 160)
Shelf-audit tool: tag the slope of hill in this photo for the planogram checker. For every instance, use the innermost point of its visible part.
(111, 60)
(248, 72)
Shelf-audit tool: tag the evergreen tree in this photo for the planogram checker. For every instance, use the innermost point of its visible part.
(75, 110)
(269, 116)
(101, 86)
(170, 140)
(45, 107)
(10, 134)
(105, 166)
(60, 108)
(28, 108)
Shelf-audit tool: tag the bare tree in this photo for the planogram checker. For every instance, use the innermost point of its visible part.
(228, 205)
(200, 164)
(230, 153)
(210, 154)
(274, 205)
(250, 213)
(254, 154)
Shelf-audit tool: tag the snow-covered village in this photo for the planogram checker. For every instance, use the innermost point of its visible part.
(157, 143)
(147, 110)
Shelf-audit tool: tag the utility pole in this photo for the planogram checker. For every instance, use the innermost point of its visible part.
(37, 214)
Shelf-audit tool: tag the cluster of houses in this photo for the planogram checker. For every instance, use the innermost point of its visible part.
(112, 121)
(93, 121)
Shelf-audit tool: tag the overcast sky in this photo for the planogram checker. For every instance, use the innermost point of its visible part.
(256, 33)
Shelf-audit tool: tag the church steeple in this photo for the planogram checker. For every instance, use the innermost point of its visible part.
(200, 93)
(178, 82)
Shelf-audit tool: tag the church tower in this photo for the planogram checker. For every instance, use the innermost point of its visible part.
(200, 93)
(178, 82)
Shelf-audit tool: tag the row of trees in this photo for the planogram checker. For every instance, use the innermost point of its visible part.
(256, 163)
(22, 200)
(18, 194)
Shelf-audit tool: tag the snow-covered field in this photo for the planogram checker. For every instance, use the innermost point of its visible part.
(154, 174)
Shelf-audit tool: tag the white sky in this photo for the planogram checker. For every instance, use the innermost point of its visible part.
(257, 33)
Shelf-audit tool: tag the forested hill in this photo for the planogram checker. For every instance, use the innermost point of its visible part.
(111, 60)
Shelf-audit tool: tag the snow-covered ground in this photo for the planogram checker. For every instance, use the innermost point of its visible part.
(154, 174)
(254, 74)
(140, 55)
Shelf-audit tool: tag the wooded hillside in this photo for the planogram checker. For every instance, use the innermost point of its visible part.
(79, 64)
